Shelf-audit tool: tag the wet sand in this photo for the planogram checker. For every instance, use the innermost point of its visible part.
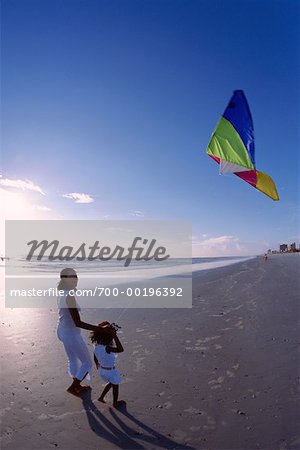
(222, 375)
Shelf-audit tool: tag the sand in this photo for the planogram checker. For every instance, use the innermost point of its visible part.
(222, 375)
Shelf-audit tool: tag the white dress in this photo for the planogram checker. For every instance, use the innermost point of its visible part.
(111, 375)
(79, 360)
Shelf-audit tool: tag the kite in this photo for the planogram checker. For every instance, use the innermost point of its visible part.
(232, 146)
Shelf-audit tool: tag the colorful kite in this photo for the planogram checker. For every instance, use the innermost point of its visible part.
(232, 146)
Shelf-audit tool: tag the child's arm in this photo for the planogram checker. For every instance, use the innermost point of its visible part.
(119, 347)
(96, 361)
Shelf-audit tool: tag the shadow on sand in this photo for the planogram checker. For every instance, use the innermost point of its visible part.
(120, 434)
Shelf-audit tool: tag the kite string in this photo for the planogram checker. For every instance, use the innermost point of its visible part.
(124, 310)
(122, 314)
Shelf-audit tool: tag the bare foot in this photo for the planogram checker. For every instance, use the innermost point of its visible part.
(119, 403)
(101, 399)
(84, 388)
(73, 391)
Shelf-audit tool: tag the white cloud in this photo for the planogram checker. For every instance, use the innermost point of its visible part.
(136, 213)
(229, 246)
(221, 240)
(225, 246)
(79, 198)
(21, 184)
(43, 208)
(196, 239)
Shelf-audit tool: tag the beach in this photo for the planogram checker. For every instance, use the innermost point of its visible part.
(221, 375)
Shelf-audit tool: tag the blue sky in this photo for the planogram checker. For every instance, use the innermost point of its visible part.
(117, 100)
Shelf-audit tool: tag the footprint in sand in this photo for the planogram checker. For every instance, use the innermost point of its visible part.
(25, 408)
(237, 308)
(296, 441)
(195, 428)
(192, 410)
(7, 434)
(218, 380)
(211, 420)
(230, 374)
(3, 411)
(207, 339)
(152, 336)
(167, 405)
(160, 394)
(179, 434)
(138, 364)
(211, 424)
(59, 417)
(239, 325)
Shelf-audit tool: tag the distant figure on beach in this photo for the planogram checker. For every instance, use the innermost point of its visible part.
(105, 359)
(68, 332)
(266, 257)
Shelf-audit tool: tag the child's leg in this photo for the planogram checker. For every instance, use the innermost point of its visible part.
(115, 393)
(105, 391)
(116, 396)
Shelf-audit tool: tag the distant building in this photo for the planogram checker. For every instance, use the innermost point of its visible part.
(283, 248)
(269, 251)
(292, 247)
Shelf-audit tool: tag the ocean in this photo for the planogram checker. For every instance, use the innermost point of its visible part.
(20, 266)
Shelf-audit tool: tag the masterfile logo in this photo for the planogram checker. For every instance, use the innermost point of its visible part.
(144, 264)
(144, 252)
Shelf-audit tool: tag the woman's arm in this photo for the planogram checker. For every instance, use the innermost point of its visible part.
(71, 303)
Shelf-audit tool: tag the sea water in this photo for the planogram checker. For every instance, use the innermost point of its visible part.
(87, 268)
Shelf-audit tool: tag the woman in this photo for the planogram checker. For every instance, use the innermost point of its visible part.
(68, 332)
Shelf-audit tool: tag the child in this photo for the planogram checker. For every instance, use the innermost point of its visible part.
(104, 357)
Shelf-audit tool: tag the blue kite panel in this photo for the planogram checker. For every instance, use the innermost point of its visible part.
(238, 114)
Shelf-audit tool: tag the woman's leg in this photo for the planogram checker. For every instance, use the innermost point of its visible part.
(77, 352)
(73, 362)
(80, 349)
